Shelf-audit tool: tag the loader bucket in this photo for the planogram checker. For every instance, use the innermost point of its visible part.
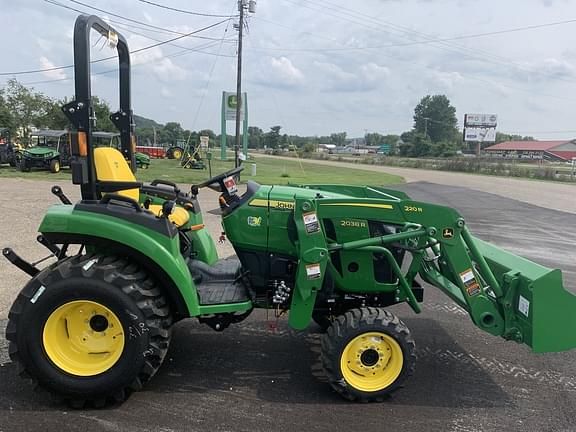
(544, 311)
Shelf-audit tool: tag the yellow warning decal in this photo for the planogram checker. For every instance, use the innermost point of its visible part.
(381, 206)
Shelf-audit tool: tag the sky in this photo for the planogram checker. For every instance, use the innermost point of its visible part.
(318, 66)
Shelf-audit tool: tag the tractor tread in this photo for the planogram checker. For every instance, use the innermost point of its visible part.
(351, 324)
(132, 281)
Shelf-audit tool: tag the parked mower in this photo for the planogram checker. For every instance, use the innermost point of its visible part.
(9, 152)
(48, 149)
(133, 259)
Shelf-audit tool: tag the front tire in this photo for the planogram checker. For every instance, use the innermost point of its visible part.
(90, 329)
(367, 354)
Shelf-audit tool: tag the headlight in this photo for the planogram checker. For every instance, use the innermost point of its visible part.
(48, 155)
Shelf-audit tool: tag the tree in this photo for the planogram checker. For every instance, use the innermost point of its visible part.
(102, 112)
(501, 137)
(255, 137)
(435, 118)
(272, 138)
(27, 107)
(374, 139)
(171, 132)
(415, 144)
(6, 119)
(338, 139)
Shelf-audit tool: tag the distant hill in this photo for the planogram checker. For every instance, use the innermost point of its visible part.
(146, 123)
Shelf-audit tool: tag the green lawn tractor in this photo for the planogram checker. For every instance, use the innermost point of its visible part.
(131, 260)
(9, 152)
(48, 149)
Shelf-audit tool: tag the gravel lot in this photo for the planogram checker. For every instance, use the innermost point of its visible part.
(250, 378)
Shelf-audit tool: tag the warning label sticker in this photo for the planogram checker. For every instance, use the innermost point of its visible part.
(313, 271)
(311, 222)
(523, 306)
(469, 281)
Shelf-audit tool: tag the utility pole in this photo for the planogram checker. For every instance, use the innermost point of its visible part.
(426, 120)
(239, 102)
(243, 7)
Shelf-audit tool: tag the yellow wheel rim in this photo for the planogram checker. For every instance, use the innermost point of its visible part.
(83, 338)
(177, 154)
(371, 361)
(57, 167)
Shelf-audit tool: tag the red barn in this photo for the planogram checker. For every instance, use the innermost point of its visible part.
(554, 151)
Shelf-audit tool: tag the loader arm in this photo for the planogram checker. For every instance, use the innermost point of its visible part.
(504, 294)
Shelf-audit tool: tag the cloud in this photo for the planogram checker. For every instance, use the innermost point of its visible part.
(53, 74)
(279, 72)
(365, 77)
(165, 92)
(154, 59)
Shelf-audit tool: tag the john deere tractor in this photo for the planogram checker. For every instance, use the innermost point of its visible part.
(130, 260)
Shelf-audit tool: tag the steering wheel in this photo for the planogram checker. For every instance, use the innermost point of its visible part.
(219, 179)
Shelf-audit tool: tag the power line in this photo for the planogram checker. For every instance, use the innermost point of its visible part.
(182, 10)
(131, 26)
(208, 81)
(195, 49)
(495, 84)
(430, 40)
(173, 55)
(469, 36)
(113, 57)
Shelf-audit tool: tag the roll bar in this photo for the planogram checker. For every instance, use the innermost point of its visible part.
(81, 113)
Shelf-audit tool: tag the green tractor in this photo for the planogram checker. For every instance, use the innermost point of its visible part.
(47, 149)
(133, 259)
(176, 150)
(112, 139)
(9, 152)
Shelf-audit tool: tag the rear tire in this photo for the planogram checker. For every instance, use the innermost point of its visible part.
(176, 153)
(367, 354)
(23, 166)
(90, 328)
(55, 166)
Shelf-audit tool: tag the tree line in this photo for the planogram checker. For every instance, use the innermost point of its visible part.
(434, 133)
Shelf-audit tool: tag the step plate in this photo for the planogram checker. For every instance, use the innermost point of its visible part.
(221, 292)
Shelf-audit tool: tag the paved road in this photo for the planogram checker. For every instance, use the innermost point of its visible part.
(249, 378)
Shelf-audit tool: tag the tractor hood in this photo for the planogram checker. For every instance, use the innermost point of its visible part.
(40, 152)
(264, 220)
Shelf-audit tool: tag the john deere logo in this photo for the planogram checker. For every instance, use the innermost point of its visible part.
(254, 221)
(232, 101)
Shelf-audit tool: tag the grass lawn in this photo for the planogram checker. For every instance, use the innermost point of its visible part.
(269, 171)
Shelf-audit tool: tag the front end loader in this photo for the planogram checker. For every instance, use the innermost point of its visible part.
(129, 260)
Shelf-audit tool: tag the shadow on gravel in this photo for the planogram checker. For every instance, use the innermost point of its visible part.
(250, 362)
(285, 368)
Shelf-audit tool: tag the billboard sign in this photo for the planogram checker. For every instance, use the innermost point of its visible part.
(481, 120)
(230, 103)
(479, 134)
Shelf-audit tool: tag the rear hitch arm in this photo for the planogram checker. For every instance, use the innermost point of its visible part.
(22, 264)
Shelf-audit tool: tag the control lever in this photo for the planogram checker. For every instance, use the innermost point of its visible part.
(168, 208)
(57, 190)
